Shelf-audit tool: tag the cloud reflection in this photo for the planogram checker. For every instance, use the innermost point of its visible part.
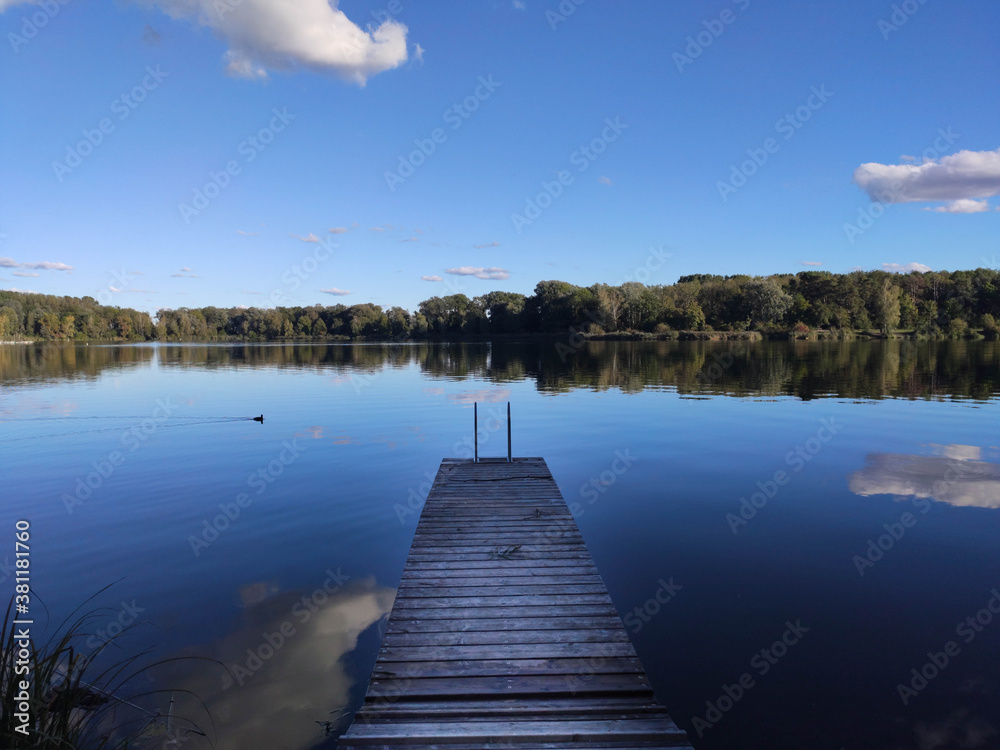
(282, 697)
(956, 476)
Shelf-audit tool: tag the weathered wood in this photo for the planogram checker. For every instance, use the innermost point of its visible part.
(501, 623)
(514, 651)
(502, 634)
(492, 637)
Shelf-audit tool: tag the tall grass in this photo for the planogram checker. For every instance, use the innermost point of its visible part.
(81, 698)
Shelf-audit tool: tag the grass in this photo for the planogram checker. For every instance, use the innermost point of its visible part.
(82, 699)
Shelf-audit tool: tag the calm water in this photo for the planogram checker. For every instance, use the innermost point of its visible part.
(849, 446)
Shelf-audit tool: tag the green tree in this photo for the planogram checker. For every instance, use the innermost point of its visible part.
(888, 307)
(765, 301)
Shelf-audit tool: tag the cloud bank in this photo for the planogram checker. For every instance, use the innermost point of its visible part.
(494, 273)
(44, 265)
(312, 34)
(956, 179)
(964, 206)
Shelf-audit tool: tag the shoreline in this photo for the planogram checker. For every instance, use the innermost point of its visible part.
(573, 340)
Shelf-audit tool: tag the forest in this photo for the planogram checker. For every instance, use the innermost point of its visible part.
(953, 304)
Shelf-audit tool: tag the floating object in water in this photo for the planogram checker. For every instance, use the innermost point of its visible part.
(259, 419)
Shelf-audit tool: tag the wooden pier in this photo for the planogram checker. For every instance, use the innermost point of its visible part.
(502, 634)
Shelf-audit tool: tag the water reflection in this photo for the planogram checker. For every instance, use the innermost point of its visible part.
(34, 363)
(957, 476)
(854, 369)
(286, 670)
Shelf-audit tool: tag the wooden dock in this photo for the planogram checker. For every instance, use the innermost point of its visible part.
(502, 634)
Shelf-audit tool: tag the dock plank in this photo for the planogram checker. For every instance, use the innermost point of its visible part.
(502, 634)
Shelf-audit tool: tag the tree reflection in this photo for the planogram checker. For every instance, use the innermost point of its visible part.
(807, 370)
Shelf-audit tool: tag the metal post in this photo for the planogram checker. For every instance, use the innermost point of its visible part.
(475, 429)
(509, 459)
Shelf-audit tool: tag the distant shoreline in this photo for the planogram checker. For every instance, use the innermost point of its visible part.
(573, 341)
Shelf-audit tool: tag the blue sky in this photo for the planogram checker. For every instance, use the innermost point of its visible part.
(515, 98)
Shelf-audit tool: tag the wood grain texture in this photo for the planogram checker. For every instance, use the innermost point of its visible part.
(503, 634)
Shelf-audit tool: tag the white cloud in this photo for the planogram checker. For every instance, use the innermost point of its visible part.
(497, 274)
(337, 292)
(431, 278)
(44, 265)
(313, 34)
(518, 5)
(21, 291)
(378, 229)
(411, 239)
(905, 268)
(418, 54)
(184, 275)
(25, 274)
(956, 481)
(338, 230)
(966, 174)
(810, 262)
(246, 234)
(309, 238)
(487, 244)
(605, 180)
(963, 206)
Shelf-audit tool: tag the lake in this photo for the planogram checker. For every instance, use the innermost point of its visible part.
(827, 515)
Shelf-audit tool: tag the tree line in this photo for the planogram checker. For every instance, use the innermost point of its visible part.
(936, 303)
